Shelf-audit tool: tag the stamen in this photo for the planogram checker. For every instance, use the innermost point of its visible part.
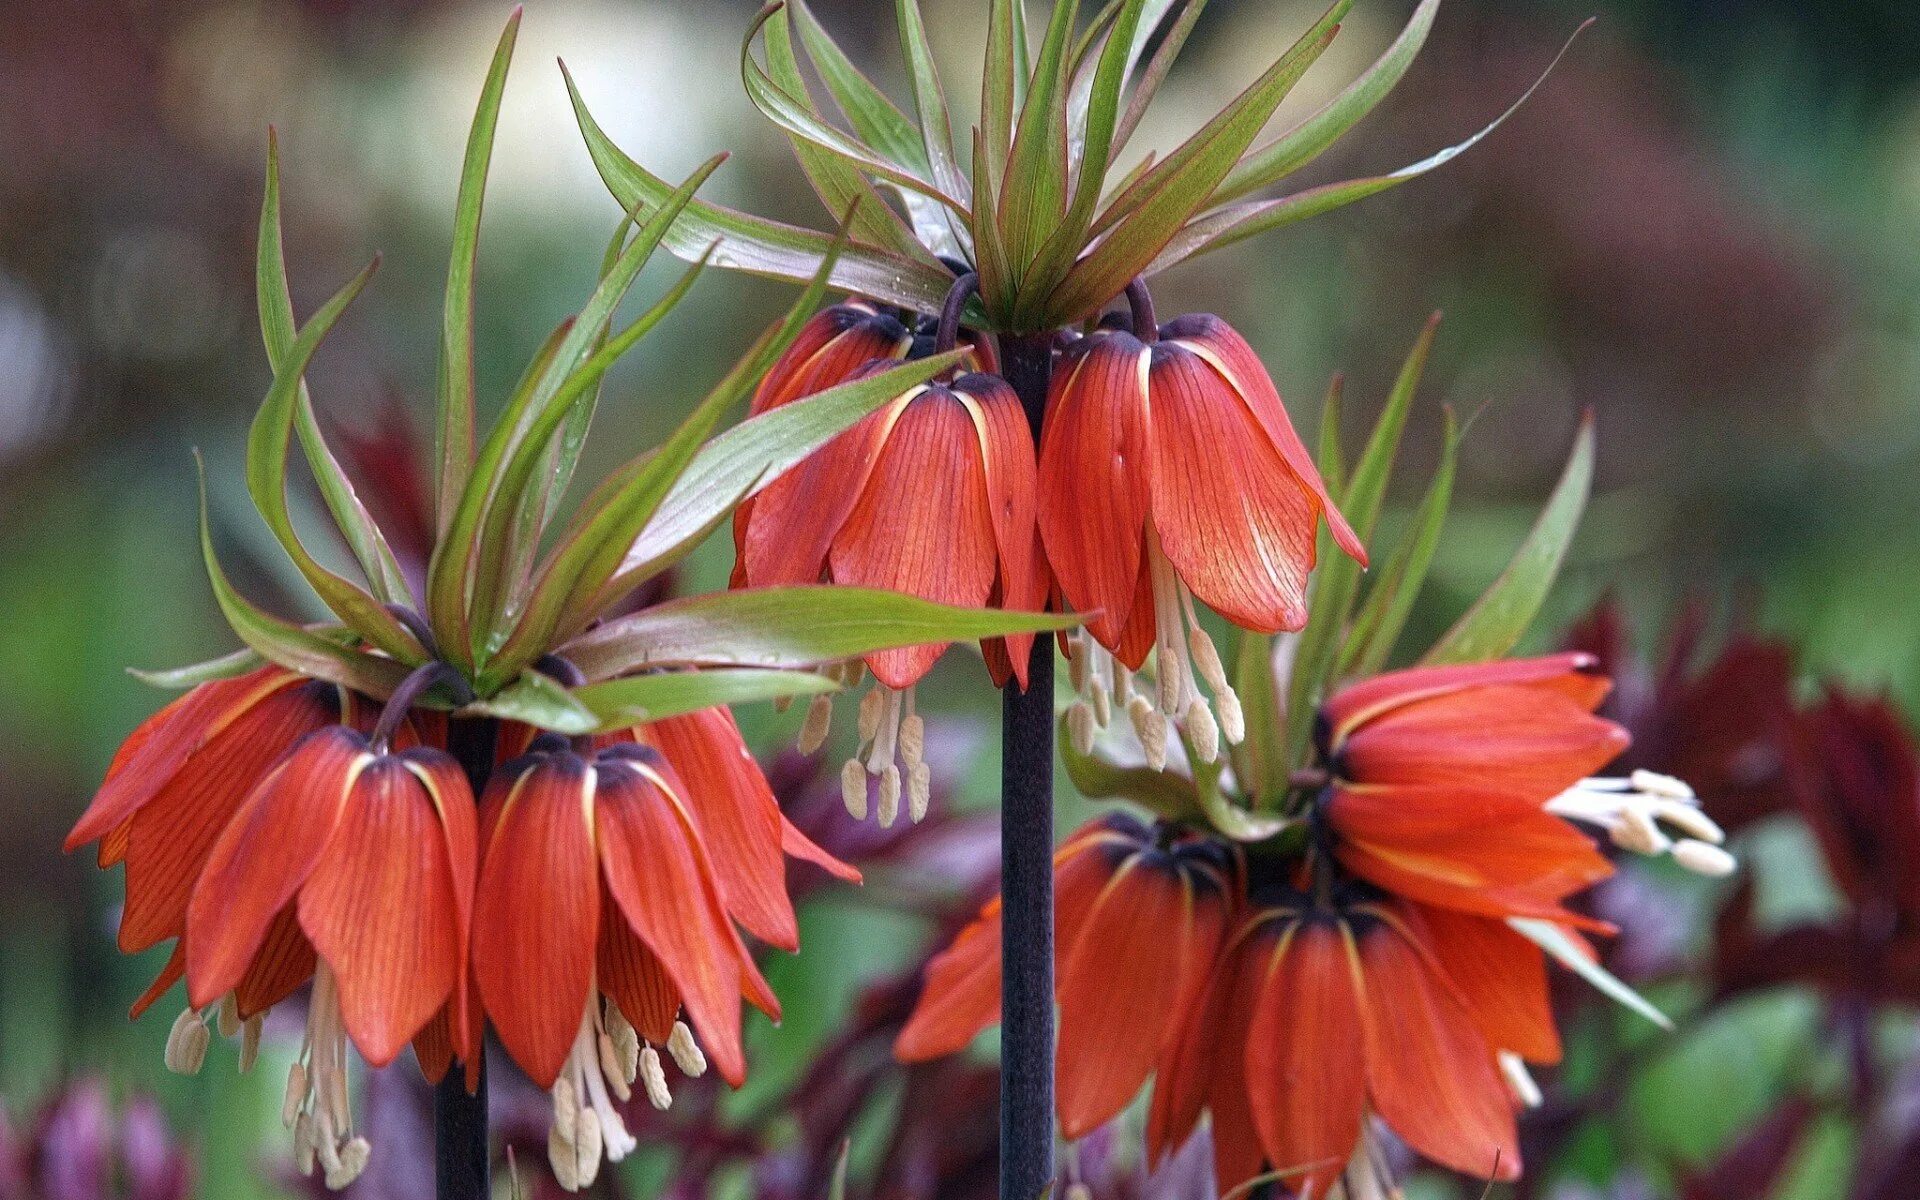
(229, 1022)
(1636, 813)
(819, 722)
(602, 1065)
(889, 809)
(249, 1042)
(1704, 858)
(919, 792)
(853, 789)
(654, 1077)
(1151, 728)
(872, 706)
(187, 1043)
(1080, 726)
(1520, 1081)
(1201, 728)
(315, 1104)
(686, 1052)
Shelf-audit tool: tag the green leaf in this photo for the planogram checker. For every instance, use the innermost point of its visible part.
(227, 666)
(930, 102)
(285, 643)
(1390, 601)
(538, 701)
(1331, 455)
(619, 703)
(1573, 956)
(1305, 141)
(1501, 615)
(1336, 584)
(755, 452)
(277, 330)
(999, 83)
(757, 246)
(453, 391)
(1147, 216)
(877, 120)
(1260, 760)
(1033, 196)
(267, 444)
(1237, 222)
(787, 627)
(1157, 67)
(990, 254)
(1116, 770)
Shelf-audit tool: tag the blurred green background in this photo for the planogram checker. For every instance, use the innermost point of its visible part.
(1702, 227)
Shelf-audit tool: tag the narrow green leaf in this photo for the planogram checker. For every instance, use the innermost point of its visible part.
(1261, 759)
(1033, 196)
(930, 102)
(787, 627)
(1157, 67)
(538, 701)
(1390, 601)
(1238, 222)
(1361, 499)
(1332, 456)
(756, 246)
(285, 643)
(453, 392)
(267, 444)
(227, 666)
(277, 330)
(999, 82)
(619, 703)
(1501, 615)
(1116, 770)
(1570, 954)
(990, 254)
(1304, 142)
(1167, 197)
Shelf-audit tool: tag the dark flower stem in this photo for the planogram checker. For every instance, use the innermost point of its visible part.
(462, 1168)
(1145, 326)
(1026, 870)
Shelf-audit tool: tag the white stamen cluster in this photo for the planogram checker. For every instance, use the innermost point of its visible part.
(1520, 1081)
(608, 1058)
(1637, 813)
(1184, 658)
(190, 1037)
(316, 1107)
(893, 747)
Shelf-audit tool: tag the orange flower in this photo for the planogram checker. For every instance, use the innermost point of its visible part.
(1122, 1007)
(600, 914)
(1171, 472)
(1319, 1015)
(353, 865)
(932, 495)
(1442, 779)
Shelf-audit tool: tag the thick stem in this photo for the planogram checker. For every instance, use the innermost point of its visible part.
(1026, 872)
(462, 1168)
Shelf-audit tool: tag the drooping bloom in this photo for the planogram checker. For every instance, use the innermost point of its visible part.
(1120, 886)
(1170, 472)
(932, 495)
(600, 915)
(1324, 1013)
(351, 864)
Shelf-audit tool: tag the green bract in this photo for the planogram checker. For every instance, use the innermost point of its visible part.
(1053, 228)
(510, 585)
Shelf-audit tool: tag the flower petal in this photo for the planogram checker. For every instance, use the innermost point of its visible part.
(284, 962)
(1006, 449)
(636, 981)
(923, 524)
(1306, 1068)
(1571, 674)
(1095, 491)
(265, 855)
(170, 973)
(1529, 740)
(536, 915)
(1501, 975)
(796, 844)
(795, 517)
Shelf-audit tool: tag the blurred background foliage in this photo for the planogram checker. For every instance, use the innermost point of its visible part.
(1702, 227)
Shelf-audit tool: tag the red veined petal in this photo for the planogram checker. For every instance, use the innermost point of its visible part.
(1137, 637)
(1006, 448)
(284, 962)
(265, 855)
(1237, 1153)
(795, 844)
(659, 873)
(1572, 674)
(739, 818)
(452, 797)
(170, 974)
(1501, 975)
(169, 838)
(1095, 491)
(433, 1047)
(1520, 739)
(833, 343)
(796, 517)
(536, 913)
(381, 907)
(1237, 524)
(633, 978)
(1240, 368)
(1306, 1068)
(155, 750)
(923, 523)
(1430, 1073)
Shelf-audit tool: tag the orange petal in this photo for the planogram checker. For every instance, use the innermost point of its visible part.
(264, 855)
(1094, 486)
(452, 796)
(1006, 448)
(1501, 975)
(1237, 524)
(738, 816)
(1306, 1069)
(155, 750)
(795, 844)
(1237, 1153)
(382, 908)
(923, 524)
(433, 1047)
(1241, 369)
(1524, 739)
(169, 838)
(1430, 1072)
(663, 881)
(832, 344)
(285, 961)
(536, 914)
(1570, 673)
(170, 974)
(633, 978)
